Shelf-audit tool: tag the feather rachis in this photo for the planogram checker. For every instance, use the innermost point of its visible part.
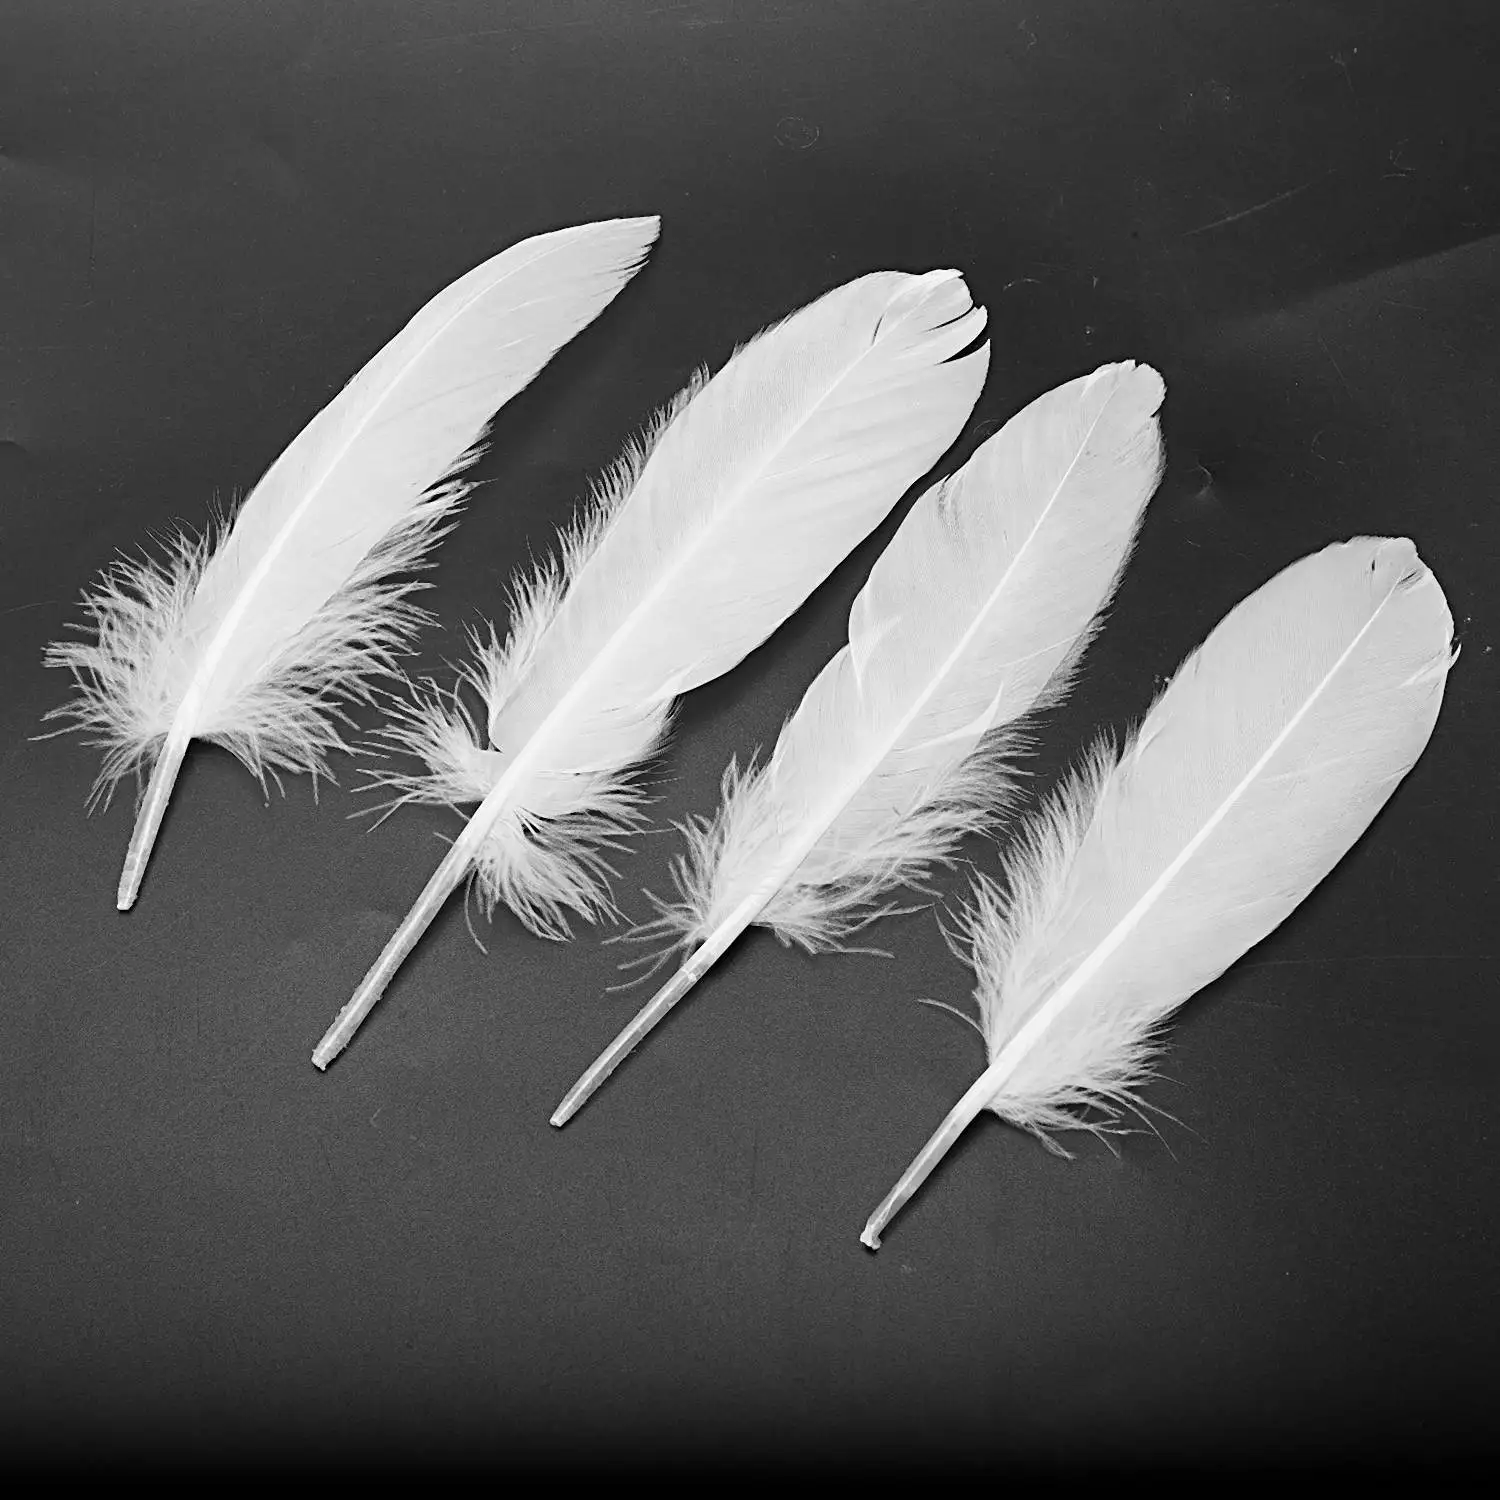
(1093, 1096)
(1156, 867)
(129, 672)
(730, 849)
(260, 634)
(1120, 922)
(923, 790)
(592, 568)
(972, 620)
(540, 867)
(757, 488)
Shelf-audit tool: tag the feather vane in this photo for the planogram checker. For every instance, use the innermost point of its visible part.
(254, 635)
(971, 620)
(1154, 868)
(743, 497)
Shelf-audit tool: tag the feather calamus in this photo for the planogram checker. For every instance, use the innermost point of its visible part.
(253, 635)
(1157, 866)
(748, 492)
(971, 620)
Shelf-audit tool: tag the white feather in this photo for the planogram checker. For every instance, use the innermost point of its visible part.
(252, 635)
(1155, 868)
(541, 867)
(971, 620)
(749, 490)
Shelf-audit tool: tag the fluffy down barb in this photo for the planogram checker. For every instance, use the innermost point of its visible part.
(1112, 1069)
(758, 486)
(1157, 867)
(906, 741)
(972, 620)
(132, 667)
(810, 910)
(542, 867)
(260, 635)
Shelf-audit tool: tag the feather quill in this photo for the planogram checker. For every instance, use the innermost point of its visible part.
(1155, 867)
(708, 535)
(254, 634)
(971, 620)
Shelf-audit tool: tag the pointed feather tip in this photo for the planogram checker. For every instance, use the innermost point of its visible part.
(1414, 574)
(1146, 376)
(1401, 547)
(968, 314)
(928, 282)
(1401, 553)
(639, 234)
(645, 230)
(646, 222)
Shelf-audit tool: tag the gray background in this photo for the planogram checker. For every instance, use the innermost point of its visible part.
(210, 216)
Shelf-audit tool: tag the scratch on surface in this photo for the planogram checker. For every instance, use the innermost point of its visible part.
(15, 609)
(1368, 958)
(328, 1163)
(1338, 369)
(1254, 208)
(93, 226)
(1341, 61)
(569, 23)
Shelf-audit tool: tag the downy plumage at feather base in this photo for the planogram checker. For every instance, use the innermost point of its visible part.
(253, 635)
(971, 620)
(751, 489)
(1157, 866)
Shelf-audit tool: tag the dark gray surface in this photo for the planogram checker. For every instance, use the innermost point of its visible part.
(209, 217)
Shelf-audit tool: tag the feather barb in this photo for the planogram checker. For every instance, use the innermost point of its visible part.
(1156, 867)
(743, 497)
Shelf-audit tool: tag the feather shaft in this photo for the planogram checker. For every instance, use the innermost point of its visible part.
(1156, 867)
(972, 619)
(258, 634)
(456, 864)
(445, 880)
(974, 1099)
(655, 1010)
(710, 532)
(938, 1146)
(694, 967)
(148, 819)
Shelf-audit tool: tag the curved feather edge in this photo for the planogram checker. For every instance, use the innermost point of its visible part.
(1113, 1062)
(292, 719)
(1044, 954)
(818, 909)
(985, 938)
(143, 613)
(819, 917)
(541, 868)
